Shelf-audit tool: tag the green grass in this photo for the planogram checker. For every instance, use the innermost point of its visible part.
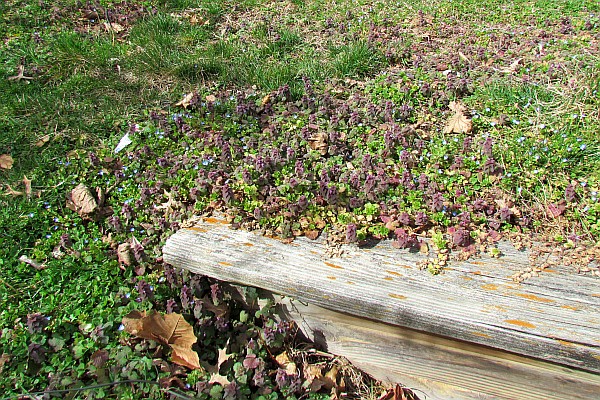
(91, 86)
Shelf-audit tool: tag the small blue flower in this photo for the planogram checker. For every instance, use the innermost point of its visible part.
(583, 147)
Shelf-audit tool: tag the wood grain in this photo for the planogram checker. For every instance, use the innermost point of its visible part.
(442, 369)
(553, 317)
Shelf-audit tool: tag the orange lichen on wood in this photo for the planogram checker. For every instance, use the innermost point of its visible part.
(196, 229)
(388, 278)
(517, 322)
(213, 220)
(248, 244)
(535, 298)
(225, 263)
(333, 265)
(397, 296)
(570, 307)
(332, 278)
(489, 286)
(393, 272)
(565, 343)
(485, 335)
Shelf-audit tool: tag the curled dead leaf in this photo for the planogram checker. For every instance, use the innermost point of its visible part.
(265, 100)
(42, 141)
(27, 184)
(4, 358)
(185, 102)
(12, 192)
(318, 142)
(113, 27)
(81, 200)
(211, 98)
(215, 376)
(124, 254)
(555, 210)
(32, 262)
(512, 68)
(6, 161)
(286, 363)
(168, 329)
(398, 393)
(311, 234)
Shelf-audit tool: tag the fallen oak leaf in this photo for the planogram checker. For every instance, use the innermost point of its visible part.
(168, 329)
(6, 161)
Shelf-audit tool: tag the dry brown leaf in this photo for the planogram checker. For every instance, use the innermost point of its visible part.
(331, 378)
(82, 201)
(113, 27)
(512, 68)
(265, 100)
(27, 184)
(124, 254)
(397, 393)
(311, 234)
(286, 363)
(185, 102)
(211, 98)
(6, 161)
(168, 329)
(457, 107)
(12, 192)
(464, 57)
(313, 375)
(215, 377)
(32, 262)
(318, 142)
(555, 210)
(4, 358)
(458, 123)
(220, 311)
(42, 141)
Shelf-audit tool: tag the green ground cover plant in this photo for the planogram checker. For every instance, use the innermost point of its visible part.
(444, 126)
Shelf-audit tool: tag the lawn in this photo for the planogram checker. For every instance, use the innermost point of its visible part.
(455, 124)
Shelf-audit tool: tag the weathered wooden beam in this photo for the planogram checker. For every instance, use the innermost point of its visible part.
(553, 317)
(442, 369)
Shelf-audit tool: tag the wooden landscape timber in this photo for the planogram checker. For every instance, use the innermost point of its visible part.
(471, 332)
